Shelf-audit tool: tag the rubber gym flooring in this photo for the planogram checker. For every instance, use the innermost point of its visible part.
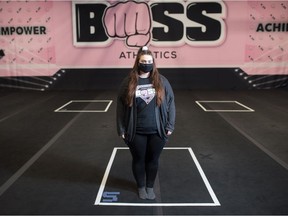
(60, 155)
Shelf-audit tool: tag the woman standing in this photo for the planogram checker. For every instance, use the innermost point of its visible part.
(145, 118)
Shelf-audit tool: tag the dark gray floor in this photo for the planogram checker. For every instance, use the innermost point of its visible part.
(54, 162)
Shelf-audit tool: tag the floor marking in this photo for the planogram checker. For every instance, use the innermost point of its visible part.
(208, 186)
(106, 174)
(247, 109)
(57, 110)
(85, 101)
(34, 158)
(158, 210)
(201, 172)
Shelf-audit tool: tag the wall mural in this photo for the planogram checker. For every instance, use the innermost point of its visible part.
(39, 38)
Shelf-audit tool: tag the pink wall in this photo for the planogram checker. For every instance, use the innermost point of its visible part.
(44, 54)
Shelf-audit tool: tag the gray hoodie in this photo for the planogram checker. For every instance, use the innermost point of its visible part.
(126, 116)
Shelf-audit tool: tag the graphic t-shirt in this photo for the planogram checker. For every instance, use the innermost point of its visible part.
(145, 102)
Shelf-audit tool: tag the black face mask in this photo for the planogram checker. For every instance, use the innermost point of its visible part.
(145, 67)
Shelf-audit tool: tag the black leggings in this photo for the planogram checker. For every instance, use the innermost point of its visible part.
(145, 150)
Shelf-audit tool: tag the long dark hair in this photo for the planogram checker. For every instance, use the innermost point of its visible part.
(154, 77)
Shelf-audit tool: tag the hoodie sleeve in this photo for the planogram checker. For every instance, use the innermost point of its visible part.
(170, 103)
(121, 108)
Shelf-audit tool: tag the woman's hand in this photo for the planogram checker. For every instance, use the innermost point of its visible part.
(169, 133)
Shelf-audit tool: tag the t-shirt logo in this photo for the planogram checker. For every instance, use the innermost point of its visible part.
(145, 92)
